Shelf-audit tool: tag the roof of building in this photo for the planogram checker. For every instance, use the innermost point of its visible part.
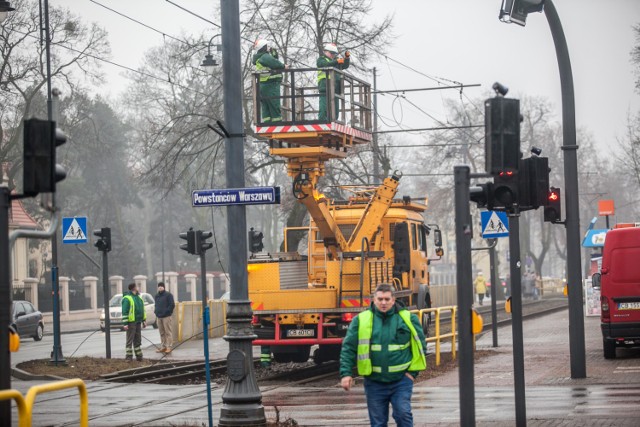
(19, 218)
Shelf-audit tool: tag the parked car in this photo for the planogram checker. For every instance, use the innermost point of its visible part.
(115, 309)
(27, 320)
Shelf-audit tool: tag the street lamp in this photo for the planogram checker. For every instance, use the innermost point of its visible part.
(209, 63)
(516, 11)
(5, 8)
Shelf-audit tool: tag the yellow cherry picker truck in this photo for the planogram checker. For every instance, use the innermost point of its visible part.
(304, 300)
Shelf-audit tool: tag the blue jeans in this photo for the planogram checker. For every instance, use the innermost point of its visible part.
(379, 395)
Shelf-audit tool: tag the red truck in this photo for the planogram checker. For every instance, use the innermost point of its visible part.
(619, 281)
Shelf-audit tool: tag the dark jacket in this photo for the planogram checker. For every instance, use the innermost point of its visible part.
(388, 328)
(164, 304)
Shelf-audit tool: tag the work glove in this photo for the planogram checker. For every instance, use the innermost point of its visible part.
(340, 60)
(347, 54)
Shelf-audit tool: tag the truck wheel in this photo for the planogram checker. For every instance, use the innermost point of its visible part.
(302, 354)
(609, 348)
(283, 357)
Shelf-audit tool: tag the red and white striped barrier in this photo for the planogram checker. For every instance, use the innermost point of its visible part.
(323, 127)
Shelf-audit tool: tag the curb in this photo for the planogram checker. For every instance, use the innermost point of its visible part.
(26, 376)
(78, 331)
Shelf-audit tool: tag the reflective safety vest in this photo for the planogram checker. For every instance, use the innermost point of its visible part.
(266, 77)
(365, 331)
(132, 309)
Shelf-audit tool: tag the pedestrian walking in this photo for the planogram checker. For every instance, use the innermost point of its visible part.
(266, 60)
(164, 311)
(330, 58)
(387, 345)
(133, 320)
(481, 286)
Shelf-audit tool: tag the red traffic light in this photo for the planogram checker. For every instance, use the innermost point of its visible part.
(506, 174)
(553, 196)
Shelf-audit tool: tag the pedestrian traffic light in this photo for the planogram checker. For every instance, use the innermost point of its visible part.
(104, 243)
(482, 194)
(516, 11)
(533, 183)
(201, 238)
(505, 190)
(553, 208)
(502, 134)
(255, 241)
(40, 170)
(190, 246)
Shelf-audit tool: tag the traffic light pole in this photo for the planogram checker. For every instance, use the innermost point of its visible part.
(516, 320)
(465, 296)
(205, 331)
(5, 303)
(241, 399)
(105, 303)
(572, 223)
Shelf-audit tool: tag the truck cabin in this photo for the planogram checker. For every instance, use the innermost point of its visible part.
(350, 123)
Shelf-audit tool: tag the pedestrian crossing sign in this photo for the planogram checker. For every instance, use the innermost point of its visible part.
(494, 224)
(74, 230)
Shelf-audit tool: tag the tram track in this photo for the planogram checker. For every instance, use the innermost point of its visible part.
(269, 383)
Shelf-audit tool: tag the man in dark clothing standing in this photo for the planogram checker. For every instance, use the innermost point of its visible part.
(330, 58)
(134, 319)
(266, 60)
(387, 345)
(164, 310)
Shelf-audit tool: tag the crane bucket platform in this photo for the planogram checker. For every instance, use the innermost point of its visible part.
(349, 117)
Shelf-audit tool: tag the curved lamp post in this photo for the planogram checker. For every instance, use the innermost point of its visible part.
(516, 11)
(209, 63)
(5, 8)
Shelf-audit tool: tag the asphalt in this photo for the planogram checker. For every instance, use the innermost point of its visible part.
(609, 396)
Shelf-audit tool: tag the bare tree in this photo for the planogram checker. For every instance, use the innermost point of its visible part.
(74, 49)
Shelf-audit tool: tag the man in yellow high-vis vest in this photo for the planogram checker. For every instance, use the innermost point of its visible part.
(386, 343)
(134, 318)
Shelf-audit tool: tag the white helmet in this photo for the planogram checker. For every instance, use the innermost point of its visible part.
(331, 47)
(259, 44)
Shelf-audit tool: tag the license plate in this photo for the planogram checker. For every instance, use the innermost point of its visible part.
(629, 306)
(300, 332)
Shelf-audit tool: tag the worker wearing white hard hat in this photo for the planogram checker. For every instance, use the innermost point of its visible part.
(330, 59)
(266, 62)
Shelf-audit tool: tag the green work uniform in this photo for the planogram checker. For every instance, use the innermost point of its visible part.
(391, 347)
(267, 60)
(324, 62)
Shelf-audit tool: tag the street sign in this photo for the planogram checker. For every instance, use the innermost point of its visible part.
(74, 230)
(594, 238)
(494, 224)
(236, 196)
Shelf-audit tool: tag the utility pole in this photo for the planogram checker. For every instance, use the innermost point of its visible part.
(241, 399)
(376, 151)
(463, 229)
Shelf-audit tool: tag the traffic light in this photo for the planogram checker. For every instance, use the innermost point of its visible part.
(505, 190)
(255, 241)
(190, 246)
(502, 135)
(483, 195)
(553, 208)
(104, 243)
(41, 172)
(201, 239)
(516, 11)
(533, 178)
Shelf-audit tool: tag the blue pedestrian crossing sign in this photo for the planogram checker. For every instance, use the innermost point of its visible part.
(74, 230)
(494, 224)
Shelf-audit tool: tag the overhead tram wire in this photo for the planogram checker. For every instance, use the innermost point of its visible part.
(140, 23)
(107, 61)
